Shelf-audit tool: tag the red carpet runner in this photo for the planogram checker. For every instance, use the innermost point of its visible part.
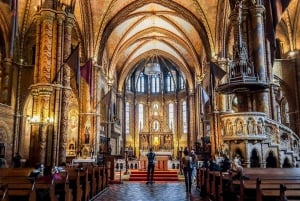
(141, 175)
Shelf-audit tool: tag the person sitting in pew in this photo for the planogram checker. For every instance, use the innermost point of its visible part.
(36, 172)
(213, 166)
(43, 194)
(226, 164)
(3, 163)
(238, 168)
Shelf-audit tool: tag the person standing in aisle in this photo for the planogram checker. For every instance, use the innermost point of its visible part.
(151, 165)
(187, 169)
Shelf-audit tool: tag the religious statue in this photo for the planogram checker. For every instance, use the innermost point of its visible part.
(87, 135)
(144, 142)
(168, 141)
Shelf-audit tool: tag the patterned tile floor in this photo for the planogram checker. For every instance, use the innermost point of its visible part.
(138, 191)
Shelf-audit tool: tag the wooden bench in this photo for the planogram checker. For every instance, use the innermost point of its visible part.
(100, 172)
(79, 183)
(226, 186)
(15, 183)
(45, 189)
(277, 190)
(16, 188)
(269, 178)
(15, 172)
(62, 188)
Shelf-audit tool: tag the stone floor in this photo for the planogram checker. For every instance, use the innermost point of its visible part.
(139, 191)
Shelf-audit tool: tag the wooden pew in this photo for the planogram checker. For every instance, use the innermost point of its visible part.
(18, 189)
(79, 183)
(19, 178)
(15, 172)
(15, 183)
(246, 186)
(215, 183)
(45, 189)
(85, 184)
(99, 178)
(92, 179)
(224, 187)
(62, 189)
(74, 183)
(276, 190)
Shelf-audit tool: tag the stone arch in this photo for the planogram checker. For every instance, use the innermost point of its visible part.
(271, 160)
(254, 158)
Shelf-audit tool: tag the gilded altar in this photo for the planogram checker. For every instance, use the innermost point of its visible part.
(158, 141)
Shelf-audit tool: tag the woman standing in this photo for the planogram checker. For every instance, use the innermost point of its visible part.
(187, 170)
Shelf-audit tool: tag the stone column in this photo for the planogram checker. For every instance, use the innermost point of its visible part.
(45, 113)
(37, 49)
(45, 50)
(58, 90)
(259, 51)
(198, 110)
(214, 134)
(66, 92)
(222, 99)
(97, 99)
(247, 155)
(258, 41)
(191, 118)
(41, 90)
(5, 97)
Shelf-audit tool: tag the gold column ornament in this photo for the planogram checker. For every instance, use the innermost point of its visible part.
(6, 82)
(66, 92)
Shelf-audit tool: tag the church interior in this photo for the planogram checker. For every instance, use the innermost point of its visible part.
(85, 80)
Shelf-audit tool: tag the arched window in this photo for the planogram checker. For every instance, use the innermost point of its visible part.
(141, 116)
(141, 84)
(170, 85)
(128, 85)
(181, 83)
(171, 116)
(155, 83)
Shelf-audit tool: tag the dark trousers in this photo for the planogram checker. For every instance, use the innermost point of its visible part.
(187, 172)
(150, 172)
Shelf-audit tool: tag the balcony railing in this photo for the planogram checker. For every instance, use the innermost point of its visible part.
(256, 126)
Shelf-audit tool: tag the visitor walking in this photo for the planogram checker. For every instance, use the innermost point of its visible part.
(194, 165)
(187, 170)
(151, 165)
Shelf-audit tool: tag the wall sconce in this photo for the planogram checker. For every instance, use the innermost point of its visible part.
(292, 54)
(37, 120)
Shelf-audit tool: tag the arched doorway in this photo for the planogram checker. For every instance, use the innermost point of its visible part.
(254, 159)
(271, 160)
(287, 163)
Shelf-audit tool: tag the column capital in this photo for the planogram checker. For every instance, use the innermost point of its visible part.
(41, 89)
(257, 9)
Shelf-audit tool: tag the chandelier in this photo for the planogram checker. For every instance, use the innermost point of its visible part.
(152, 66)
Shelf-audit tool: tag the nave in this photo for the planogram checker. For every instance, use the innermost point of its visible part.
(138, 191)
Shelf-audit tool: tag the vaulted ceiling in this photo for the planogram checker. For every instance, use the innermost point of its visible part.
(119, 33)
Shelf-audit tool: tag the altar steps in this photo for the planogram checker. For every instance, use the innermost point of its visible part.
(141, 175)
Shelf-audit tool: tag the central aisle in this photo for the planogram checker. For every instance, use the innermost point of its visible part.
(138, 191)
